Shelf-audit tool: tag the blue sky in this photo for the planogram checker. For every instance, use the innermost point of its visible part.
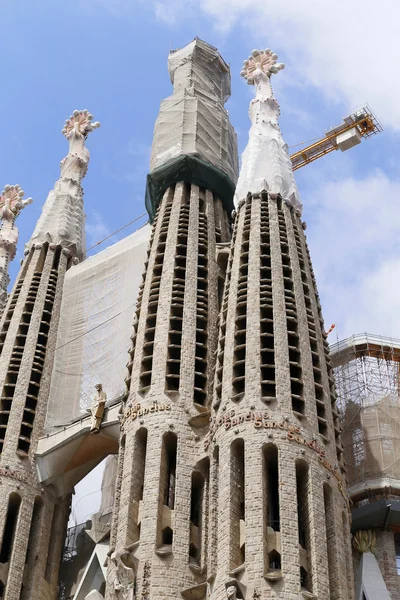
(111, 57)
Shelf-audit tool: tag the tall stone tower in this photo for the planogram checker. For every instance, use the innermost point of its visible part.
(32, 520)
(281, 516)
(159, 537)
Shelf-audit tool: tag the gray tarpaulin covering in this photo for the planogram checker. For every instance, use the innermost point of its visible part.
(96, 321)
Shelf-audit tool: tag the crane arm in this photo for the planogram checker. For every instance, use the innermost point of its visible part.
(360, 124)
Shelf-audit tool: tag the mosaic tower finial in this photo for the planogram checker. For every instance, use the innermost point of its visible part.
(81, 122)
(62, 221)
(263, 60)
(11, 203)
(265, 162)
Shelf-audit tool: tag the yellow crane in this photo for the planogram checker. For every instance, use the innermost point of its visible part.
(360, 124)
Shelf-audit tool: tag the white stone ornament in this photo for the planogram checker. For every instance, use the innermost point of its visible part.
(11, 203)
(266, 164)
(81, 122)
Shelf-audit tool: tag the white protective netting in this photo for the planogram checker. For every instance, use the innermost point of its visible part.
(99, 301)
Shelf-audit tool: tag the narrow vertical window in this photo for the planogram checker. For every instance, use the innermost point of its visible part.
(303, 514)
(331, 542)
(14, 504)
(271, 506)
(196, 517)
(238, 512)
(167, 489)
(138, 481)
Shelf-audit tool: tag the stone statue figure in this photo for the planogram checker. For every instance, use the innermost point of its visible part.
(98, 408)
(231, 592)
(124, 581)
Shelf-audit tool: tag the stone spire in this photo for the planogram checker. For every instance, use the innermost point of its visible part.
(11, 204)
(266, 163)
(62, 221)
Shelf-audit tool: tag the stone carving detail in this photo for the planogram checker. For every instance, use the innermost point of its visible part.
(231, 592)
(11, 204)
(266, 162)
(124, 582)
(98, 408)
(146, 581)
(80, 122)
(365, 541)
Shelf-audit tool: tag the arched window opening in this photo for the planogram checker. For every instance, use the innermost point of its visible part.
(14, 504)
(196, 516)
(272, 486)
(138, 476)
(274, 561)
(304, 526)
(167, 490)
(238, 509)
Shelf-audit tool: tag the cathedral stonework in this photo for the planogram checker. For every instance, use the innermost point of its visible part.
(230, 479)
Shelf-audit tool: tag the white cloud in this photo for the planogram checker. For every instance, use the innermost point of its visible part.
(354, 240)
(348, 50)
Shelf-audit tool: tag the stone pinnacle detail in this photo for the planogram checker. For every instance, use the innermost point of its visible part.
(80, 121)
(62, 221)
(11, 203)
(266, 163)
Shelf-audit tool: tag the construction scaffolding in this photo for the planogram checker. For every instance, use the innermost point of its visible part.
(367, 382)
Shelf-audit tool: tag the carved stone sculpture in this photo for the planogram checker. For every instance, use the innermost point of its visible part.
(231, 592)
(98, 408)
(124, 582)
(365, 541)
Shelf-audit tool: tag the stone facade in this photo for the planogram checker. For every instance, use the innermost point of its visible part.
(230, 479)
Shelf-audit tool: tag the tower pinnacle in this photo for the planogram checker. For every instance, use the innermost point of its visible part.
(62, 220)
(265, 162)
(11, 204)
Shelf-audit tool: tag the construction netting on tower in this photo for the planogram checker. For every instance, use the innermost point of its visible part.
(99, 301)
(367, 381)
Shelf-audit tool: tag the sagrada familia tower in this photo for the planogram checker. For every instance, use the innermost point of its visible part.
(230, 480)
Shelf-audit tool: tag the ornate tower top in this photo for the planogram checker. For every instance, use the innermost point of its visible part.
(62, 221)
(81, 122)
(264, 60)
(266, 163)
(11, 203)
